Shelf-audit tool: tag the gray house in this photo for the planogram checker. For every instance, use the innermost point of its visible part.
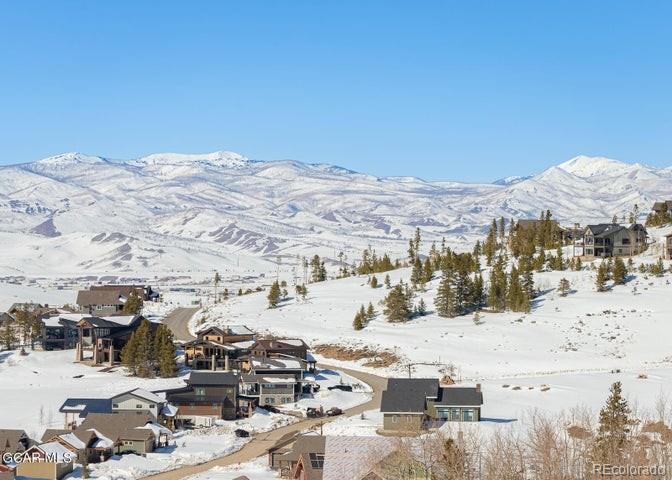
(611, 240)
(264, 390)
(411, 404)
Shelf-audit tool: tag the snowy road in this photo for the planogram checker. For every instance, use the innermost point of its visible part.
(178, 322)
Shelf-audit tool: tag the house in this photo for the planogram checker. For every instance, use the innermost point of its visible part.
(263, 390)
(50, 461)
(293, 347)
(317, 457)
(208, 396)
(278, 364)
(101, 302)
(137, 400)
(611, 239)
(105, 337)
(59, 331)
(214, 345)
(145, 292)
(6, 473)
(121, 432)
(663, 207)
(82, 443)
(412, 404)
(13, 441)
(667, 246)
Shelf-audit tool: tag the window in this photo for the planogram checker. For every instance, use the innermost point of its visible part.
(152, 405)
(455, 414)
(625, 241)
(115, 405)
(316, 460)
(395, 419)
(199, 390)
(138, 406)
(468, 414)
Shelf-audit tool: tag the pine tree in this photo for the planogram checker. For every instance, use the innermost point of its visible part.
(477, 292)
(133, 304)
(563, 287)
(397, 306)
(129, 354)
(388, 282)
(497, 288)
(445, 295)
(358, 322)
(370, 312)
(601, 278)
(417, 276)
(421, 309)
(164, 351)
(318, 272)
(8, 335)
(216, 281)
(620, 271)
(274, 295)
(614, 426)
(374, 282)
(144, 353)
(427, 271)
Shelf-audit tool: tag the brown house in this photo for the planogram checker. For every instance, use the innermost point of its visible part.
(293, 347)
(105, 337)
(208, 396)
(13, 441)
(121, 432)
(49, 461)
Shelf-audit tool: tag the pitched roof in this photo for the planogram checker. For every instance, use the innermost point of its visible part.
(86, 298)
(279, 344)
(86, 406)
(603, 229)
(143, 394)
(205, 377)
(277, 363)
(11, 440)
(408, 394)
(55, 450)
(115, 425)
(352, 457)
(461, 396)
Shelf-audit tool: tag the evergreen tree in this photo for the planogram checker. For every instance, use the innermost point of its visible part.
(497, 288)
(601, 278)
(370, 312)
(517, 299)
(374, 282)
(129, 353)
(302, 291)
(318, 272)
(358, 322)
(478, 292)
(614, 426)
(144, 353)
(620, 271)
(421, 309)
(133, 304)
(417, 276)
(490, 245)
(388, 283)
(8, 335)
(563, 287)
(397, 307)
(445, 295)
(164, 351)
(427, 271)
(274, 295)
(216, 281)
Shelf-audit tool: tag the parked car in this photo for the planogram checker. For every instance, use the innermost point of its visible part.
(345, 388)
(312, 412)
(334, 411)
(240, 433)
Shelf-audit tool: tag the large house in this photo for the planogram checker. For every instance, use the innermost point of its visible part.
(294, 347)
(105, 337)
(59, 332)
(611, 240)
(110, 299)
(48, 461)
(208, 396)
(412, 404)
(137, 400)
(215, 347)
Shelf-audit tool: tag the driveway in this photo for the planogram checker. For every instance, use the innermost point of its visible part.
(263, 441)
(178, 322)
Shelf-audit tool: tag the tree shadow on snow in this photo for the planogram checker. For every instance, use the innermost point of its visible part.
(498, 420)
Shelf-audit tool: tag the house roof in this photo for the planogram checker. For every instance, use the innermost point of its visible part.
(112, 321)
(212, 378)
(227, 330)
(55, 450)
(460, 396)
(279, 344)
(143, 394)
(115, 425)
(86, 406)
(87, 298)
(353, 457)
(11, 440)
(408, 394)
(277, 363)
(603, 229)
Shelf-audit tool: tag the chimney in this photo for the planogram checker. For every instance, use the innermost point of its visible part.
(478, 387)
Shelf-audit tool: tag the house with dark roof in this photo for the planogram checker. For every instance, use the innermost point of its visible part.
(412, 404)
(611, 240)
(105, 337)
(208, 396)
(13, 441)
(121, 432)
(294, 347)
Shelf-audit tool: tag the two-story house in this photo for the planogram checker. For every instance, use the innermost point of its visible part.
(264, 390)
(611, 239)
(294, 347)
(214, 347)
(412, 404)
(105, 337)
(208, 396)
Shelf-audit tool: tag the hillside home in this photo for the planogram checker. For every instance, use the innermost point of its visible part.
(59, 332)
(667, 246)
(413, 404)
(263, 390)
(611, 239)
(105, 337)
(121, 432)
(216, 348)
(284, 455)
(293, 347)
(81, 443)
(278, 364)
(208, 396)
(49, 461)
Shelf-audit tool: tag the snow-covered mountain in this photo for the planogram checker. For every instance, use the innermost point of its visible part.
(75, 214)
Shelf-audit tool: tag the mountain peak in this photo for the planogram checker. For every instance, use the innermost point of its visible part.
(220, 158)
(69, 158)
(585, 166)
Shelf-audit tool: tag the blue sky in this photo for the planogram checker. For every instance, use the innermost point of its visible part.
(441, 90)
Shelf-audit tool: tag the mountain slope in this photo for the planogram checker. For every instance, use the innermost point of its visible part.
(75, 214)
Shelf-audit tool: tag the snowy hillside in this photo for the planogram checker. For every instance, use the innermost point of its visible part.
(172, 213)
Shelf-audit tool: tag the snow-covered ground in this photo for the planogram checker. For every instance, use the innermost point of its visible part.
(255, 470)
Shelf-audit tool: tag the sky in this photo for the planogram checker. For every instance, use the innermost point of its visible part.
(442, 90)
